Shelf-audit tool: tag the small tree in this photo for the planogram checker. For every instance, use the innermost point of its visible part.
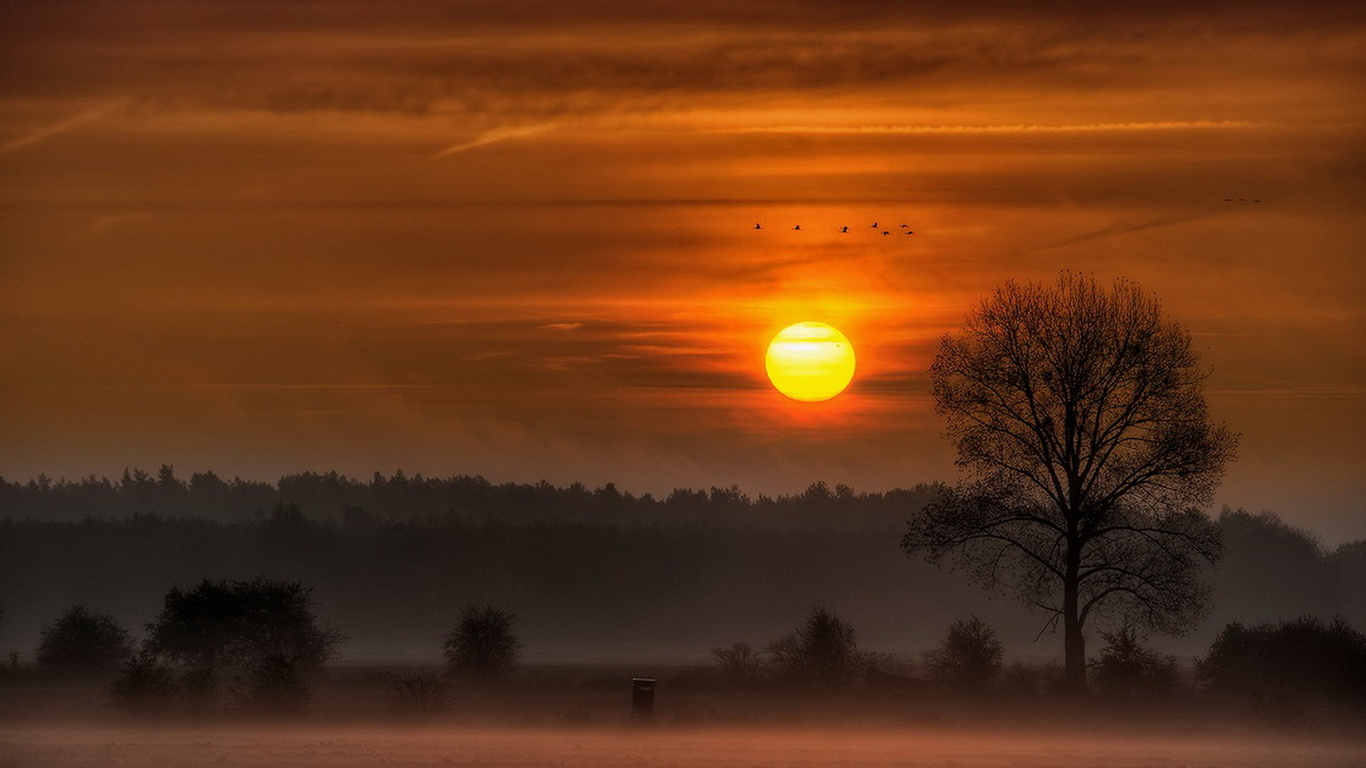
(483, 645)
(739, 663)
(264, 632)
(822, 652)
(1127, 669)
(83, 643)
(970, 657)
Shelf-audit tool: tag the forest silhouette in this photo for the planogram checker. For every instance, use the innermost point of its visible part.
(596, 574)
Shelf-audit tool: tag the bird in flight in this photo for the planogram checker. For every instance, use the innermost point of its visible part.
(885, 232)
(756, 226)
(798, 227)
(873, 225)
(843, 230)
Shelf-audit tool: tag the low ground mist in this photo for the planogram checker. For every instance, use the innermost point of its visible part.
(661, 747)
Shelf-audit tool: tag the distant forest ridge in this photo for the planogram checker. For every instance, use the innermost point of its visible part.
(464, 498)
(588, 592)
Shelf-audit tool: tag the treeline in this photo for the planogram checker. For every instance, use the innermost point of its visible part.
(593, 592)
(464, 498)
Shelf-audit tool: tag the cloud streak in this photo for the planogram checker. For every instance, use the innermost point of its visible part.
(495, 136)
(69, 124)
(1163, 125)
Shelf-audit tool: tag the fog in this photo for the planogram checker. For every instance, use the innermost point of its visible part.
(659, 747)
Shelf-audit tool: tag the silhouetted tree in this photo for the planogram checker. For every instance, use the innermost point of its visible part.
(739, 663)
(418, 694)
(483, 645)
(1281, 666)
(1080, 422)
(1126, 668)
(823, 651)
(969, 658)
(265, 631)
(83, 643)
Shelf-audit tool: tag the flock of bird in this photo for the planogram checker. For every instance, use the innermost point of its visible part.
(845, 230)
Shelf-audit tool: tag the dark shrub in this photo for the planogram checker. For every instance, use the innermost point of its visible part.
(418, 695)
(83, 644)
(483, 645)
(970, 657)
(145, 685)
(739, 664)
(273, 687)
(1284, 666)
(262, 632)
(1126, 669)
(822, 652)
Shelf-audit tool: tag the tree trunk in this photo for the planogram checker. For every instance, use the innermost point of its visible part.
(1073, 641)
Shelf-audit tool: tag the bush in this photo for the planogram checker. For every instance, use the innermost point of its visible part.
(146, 686)
(418, 694)
(482, 645)
(274, 687)
(1126, 669)
(1284, 666)
(1022, 680)
(970, 657)
(821, 652)
(83, 644)
(739, 663)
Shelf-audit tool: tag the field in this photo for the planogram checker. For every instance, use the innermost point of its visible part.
(659, 747)
(578, 717)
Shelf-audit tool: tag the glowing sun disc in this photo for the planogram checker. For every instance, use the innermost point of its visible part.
(810, 362)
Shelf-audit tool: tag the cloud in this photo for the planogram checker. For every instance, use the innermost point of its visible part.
(496, 135)
(1163, 125)
(68, 124)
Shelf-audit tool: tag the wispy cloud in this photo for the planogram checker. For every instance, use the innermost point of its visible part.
(47, 132)
(496, 135)
(1166, 125)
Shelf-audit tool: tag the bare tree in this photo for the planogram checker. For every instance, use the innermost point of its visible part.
(739, 663)
(1087, 450)
(483, 645)
(969, 658)
(823, 652)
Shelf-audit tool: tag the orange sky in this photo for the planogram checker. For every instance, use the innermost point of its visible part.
(515, 238)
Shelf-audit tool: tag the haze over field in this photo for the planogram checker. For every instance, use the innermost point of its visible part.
(516, 239)
(853, 748)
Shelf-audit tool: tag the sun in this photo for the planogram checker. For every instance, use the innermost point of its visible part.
(810, 361)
